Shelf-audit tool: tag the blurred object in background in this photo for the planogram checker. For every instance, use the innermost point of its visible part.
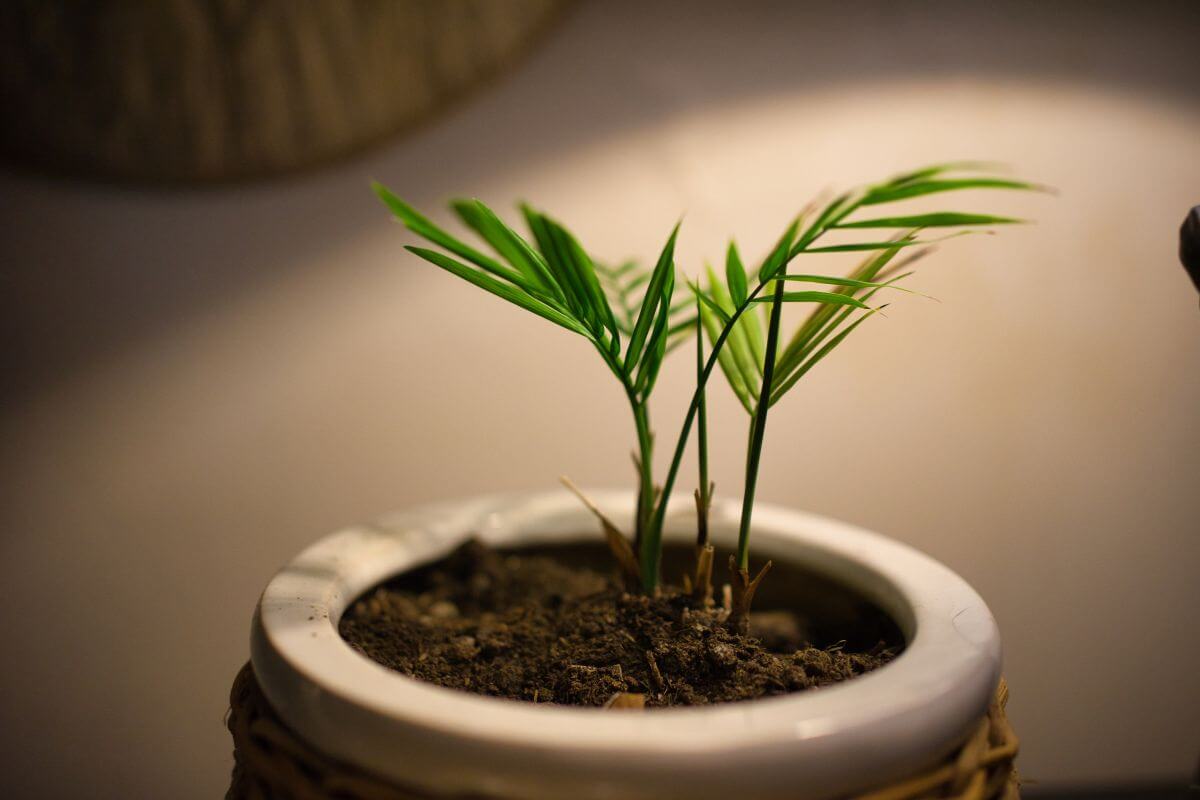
(1189, 245)
(215, 90)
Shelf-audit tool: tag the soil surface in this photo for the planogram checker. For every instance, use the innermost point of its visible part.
(529, 627)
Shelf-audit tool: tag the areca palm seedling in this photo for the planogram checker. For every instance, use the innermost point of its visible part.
(634, 317)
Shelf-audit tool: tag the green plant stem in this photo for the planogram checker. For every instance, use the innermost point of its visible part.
(650, 549)
(645, 456)
(758, 427)
(641, 420)
(702, 438)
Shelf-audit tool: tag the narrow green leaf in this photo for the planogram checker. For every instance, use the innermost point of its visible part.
(850, 282)
(713, 325)
(574, 292)
(890, 193)
(656, 344)
(474, 216)
(712, 306)
(752, 323)
(576, 259)
(835, 211)
(664, 268)
(872, 265)
(940, 169)
(780, 254)
(940, 219)
(507, 243)
(811, 329)
(816, 336)
(499, 288)
(830, 298)
(735, 274)
(783, 383)
(426, 229)
(737, 343)
(856, 247)
(829, 324)
(927, 180)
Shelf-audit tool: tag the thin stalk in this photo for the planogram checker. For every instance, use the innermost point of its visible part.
(758, 427)
(702, 576)
(702, 442)
(650, 547)
(645, 465)
(649, 551)
(645, 437)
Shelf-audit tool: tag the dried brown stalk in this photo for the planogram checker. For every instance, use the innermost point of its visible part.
(618, 545)
(742, 595)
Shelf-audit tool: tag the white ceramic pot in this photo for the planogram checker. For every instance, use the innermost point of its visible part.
(814, 744)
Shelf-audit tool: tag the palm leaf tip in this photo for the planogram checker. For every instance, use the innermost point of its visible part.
(397, 206)
(500, 288)
(381, 191)
(735, 274)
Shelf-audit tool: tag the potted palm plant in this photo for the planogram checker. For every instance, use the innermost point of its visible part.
(492, 647)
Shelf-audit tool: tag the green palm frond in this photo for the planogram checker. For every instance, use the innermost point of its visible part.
(841, 309)
(631, 315)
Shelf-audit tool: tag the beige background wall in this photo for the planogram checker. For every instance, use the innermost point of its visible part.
(199, 384)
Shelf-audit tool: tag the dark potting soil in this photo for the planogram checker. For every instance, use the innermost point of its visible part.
(552, 626)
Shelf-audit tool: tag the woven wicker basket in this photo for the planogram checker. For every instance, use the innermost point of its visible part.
(200, 91)
(272, 762)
